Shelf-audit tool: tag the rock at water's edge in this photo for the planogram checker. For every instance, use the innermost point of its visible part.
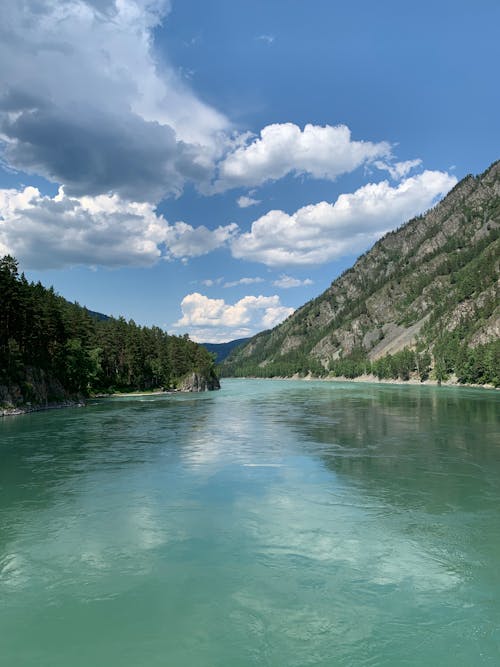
(199, 382)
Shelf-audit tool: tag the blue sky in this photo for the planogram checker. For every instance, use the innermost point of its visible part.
(210, 166)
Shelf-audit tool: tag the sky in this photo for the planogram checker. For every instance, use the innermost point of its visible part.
(208, 167)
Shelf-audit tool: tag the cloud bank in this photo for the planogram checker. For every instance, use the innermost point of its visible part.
(62, 231)
(319, 233)
(214, 320)
(86, 104)
(106, 230)
(283, 148)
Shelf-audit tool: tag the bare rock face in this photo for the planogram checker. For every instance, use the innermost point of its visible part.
(38, 391)
(196, 382)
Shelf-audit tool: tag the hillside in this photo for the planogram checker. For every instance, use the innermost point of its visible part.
(423, 300)
(222, 350)
(53, 351)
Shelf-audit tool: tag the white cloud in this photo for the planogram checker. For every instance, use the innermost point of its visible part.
(245, 202)
(44, 232)
(185, 241)
(215, 320)
(398, 169)
(283, 148)
(322, 232)
(87, 102)
(105, 230)
(269, 39)
(61, 231)
(212, 282)
(286, 282)
(244, 281)
(207, 335)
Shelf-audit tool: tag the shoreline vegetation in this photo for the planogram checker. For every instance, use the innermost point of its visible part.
(365, 379)
(56, 353)
(82, 403)
(373, 379)
(28, 408)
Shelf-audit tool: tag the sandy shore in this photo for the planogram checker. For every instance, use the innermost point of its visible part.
(132, 394)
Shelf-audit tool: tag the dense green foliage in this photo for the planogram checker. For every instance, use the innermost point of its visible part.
(44, 336)
(423, 302)
(471, 365)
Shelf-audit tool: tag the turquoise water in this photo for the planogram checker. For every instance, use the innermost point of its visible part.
(273, 523)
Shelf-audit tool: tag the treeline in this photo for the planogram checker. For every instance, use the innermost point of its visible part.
(470, 365)
(450, 357)
(43, 335)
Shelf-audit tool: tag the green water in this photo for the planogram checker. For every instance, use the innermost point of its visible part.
(273, 523)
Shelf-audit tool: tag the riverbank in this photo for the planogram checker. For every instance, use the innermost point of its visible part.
(451, 382)
(194, 383)
(373, 379)
(26, 409)
(131, 394)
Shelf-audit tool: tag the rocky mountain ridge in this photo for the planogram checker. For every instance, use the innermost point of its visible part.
(432, 281)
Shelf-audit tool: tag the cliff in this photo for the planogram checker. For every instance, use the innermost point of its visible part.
(37, 391)
(197, 381)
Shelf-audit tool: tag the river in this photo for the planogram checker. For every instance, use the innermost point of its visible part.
(273, 523)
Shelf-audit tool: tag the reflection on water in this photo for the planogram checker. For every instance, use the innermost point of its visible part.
(272, 523)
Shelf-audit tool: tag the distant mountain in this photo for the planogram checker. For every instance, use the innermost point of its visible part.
(222, 350)
(98, 316)
(424, 300)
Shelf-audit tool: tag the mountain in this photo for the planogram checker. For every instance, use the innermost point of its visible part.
(424, 300)
(98, 316)
(222, 350)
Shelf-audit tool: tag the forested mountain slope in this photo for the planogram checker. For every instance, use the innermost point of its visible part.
(222, 350)
(423, 300)
(52, 350)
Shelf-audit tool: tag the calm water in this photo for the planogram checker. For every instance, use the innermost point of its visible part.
(272, 523)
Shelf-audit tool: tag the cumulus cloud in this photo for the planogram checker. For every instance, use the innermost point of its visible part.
(185, 241)
(268, 39)
(322, 232)
(56, 232)
(286, 282)
(215, 320)
(283, 148)
(212, 282)
(244, 281)
(245, 202)
(398, 170)
(86, 103)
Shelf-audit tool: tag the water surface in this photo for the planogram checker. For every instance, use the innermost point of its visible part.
(273, 523)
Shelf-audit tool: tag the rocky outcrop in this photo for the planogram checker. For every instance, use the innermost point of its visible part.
(196, 382)
(28, 407)
(38, 391)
